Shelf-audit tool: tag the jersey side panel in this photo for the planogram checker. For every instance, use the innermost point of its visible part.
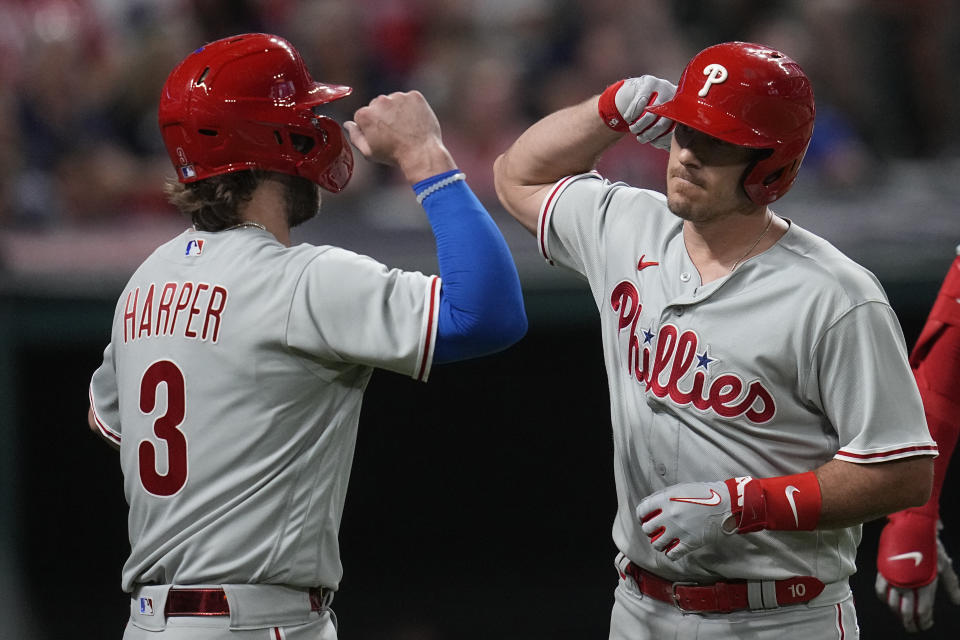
(104, 400)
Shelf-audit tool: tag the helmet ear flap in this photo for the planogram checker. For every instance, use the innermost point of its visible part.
(330, 161)
(757, 176)
(773, 177)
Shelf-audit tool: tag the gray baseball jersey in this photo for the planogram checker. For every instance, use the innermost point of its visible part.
(793, 359)
(233, 383)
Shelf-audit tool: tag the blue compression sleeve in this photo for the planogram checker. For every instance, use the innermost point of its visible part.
(481, 304)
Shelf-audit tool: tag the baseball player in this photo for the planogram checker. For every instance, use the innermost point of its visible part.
(233, 380)
(761, 400)
(911, 559)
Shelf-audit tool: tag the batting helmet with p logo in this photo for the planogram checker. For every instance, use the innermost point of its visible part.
(753, 96)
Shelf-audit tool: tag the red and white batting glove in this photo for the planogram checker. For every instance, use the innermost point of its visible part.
(623, 106)
(686, 517)
(911, 561)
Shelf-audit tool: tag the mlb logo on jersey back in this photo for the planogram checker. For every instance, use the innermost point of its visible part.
(194, 247)
(146, 606)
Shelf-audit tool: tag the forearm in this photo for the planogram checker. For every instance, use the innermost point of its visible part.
(855, 493)
(481, 307)
(563, 143)
(423, 161)
(481, 303)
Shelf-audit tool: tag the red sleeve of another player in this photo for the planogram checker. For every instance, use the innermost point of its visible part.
(936, 364)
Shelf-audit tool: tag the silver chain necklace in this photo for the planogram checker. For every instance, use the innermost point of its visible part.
(247, 224)
(755, 243)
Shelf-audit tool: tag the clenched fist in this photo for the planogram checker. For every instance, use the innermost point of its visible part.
(401, 129)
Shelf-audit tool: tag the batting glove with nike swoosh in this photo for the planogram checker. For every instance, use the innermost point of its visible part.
(911, 562)
(686, 517)
(623, 105)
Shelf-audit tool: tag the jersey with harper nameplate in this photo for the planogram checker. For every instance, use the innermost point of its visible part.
(793, 359)
(233, 384)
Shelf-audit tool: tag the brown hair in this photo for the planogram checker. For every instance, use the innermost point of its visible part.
(213, 204)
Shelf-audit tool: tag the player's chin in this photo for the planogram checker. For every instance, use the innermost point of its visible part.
(682, 206)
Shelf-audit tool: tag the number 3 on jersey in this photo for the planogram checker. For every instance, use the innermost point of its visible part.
(165, 427)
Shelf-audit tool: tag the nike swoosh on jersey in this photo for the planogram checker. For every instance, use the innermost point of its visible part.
(712, 501)
(641, 265)
(916, 556)
(789, 491)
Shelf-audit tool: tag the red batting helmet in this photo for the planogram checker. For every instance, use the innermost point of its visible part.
(246, 102)
(753, 96)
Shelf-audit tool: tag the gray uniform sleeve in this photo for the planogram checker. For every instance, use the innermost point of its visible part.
(565, 230)
(350, 308)
(104, 398)
(581, 213)
(867, 389)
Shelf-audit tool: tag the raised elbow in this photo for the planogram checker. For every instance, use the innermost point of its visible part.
(520, 199)
(462, 336)
(501, 183)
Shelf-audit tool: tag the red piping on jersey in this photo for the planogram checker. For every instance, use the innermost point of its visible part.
(929, 449)
(106, 431)
(426, 346)
(546, 213)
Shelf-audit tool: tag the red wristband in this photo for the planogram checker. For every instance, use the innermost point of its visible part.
(607, 105)
(784, 503)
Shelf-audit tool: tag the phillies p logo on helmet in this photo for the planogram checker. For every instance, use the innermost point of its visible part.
(716, 73)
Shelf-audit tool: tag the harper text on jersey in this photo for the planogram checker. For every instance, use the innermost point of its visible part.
(727, 395)
(159, 314)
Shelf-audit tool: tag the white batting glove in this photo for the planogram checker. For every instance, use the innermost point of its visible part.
(686, 517)
(911, 562)
(622, 107)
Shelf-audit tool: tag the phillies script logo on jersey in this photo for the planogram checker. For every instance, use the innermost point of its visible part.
(673, 355)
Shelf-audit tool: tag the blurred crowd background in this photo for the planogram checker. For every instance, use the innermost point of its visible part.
(81, 151)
